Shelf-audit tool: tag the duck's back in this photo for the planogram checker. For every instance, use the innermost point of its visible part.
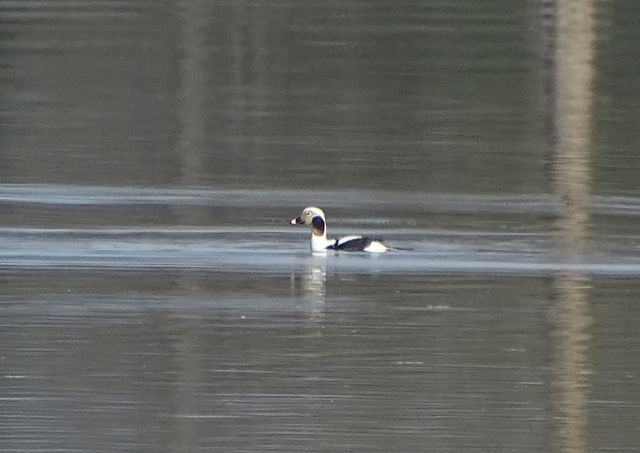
(359, 244)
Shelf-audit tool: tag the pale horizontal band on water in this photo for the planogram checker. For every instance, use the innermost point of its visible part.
(58, 194)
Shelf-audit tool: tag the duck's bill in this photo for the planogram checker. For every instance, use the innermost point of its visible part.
(297, 221)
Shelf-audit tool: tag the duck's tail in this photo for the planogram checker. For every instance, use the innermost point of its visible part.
(400, 249)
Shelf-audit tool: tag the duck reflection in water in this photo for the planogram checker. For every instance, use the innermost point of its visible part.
(308, 283)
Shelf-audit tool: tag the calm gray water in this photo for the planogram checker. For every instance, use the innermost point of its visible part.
(153, 296)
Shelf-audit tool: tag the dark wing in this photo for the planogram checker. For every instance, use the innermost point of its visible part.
(356, 244)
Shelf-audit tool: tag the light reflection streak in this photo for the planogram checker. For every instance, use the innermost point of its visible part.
(569, 110)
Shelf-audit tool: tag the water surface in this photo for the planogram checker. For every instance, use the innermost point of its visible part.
(153, 296)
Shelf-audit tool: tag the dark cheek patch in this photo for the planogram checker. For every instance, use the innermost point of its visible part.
(318, 225)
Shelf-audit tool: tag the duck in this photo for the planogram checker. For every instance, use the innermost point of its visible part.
(319, 243)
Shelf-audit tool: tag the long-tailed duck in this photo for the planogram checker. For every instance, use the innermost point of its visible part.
(319, 242)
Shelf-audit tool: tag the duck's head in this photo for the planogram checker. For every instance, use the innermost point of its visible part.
(311, 216)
